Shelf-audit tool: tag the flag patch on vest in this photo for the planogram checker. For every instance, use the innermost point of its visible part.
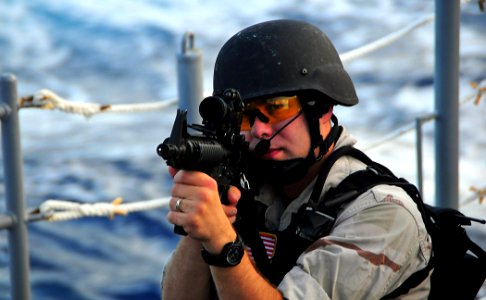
(269, 242)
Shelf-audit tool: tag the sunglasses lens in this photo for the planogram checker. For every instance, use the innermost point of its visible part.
(270, 111)
(245, 123)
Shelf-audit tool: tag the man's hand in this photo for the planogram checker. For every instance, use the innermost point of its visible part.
(200, 211)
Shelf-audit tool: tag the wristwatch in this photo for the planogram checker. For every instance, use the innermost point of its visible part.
(230, 256)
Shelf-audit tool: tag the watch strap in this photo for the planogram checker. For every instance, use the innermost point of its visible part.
(230, 255)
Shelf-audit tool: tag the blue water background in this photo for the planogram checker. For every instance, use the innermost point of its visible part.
(123, 51)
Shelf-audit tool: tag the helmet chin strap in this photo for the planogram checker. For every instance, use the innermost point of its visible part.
(325, 144)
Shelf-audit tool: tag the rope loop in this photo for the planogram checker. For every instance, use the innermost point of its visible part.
(60, 210)
(47, 99)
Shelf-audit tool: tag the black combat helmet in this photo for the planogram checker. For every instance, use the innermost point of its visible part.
(282, 56)
(285, 57)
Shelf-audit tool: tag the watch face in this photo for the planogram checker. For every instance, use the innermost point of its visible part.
(234, 255)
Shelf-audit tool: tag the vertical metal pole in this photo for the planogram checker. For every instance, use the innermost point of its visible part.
(418, 151)
(447, 102)
(14, 194)
(190, 78)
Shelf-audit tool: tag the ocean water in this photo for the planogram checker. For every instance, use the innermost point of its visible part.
(123, 51)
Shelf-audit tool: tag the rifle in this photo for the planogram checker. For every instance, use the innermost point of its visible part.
(219, 151)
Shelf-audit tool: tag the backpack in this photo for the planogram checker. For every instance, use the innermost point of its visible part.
(459, 264)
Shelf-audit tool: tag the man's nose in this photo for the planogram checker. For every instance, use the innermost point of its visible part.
(261, 129)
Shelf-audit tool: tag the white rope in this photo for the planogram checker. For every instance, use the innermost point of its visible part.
(398, 133)
(391, 136)
(386, 40)
(47, 99)
(61, 210)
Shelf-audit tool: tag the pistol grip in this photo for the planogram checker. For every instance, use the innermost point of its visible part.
(179, 230)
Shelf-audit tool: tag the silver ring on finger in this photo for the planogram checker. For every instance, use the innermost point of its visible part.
(178, 205)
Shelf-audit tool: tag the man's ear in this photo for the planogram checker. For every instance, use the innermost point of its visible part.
(325, 122)
(326, 117)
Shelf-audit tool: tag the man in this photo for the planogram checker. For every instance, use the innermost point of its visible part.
(290, 76)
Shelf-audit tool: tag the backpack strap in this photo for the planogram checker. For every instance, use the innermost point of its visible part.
(318, 216)
(328, 163)
(247, 226)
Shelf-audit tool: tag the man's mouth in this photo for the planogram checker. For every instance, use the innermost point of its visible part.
(272, 153)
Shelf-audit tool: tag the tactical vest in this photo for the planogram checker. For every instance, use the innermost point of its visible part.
(456, 273)
(307, 225)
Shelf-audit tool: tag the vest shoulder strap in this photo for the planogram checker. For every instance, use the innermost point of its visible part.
(318, 216)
